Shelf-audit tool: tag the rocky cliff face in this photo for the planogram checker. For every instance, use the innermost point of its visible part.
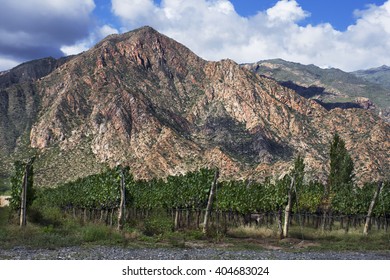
(18, 99)
(144, 100)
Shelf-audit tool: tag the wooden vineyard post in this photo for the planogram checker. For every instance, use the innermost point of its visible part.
(325, 207)
(122, 205)
(370, 209)
(287, 211)
(279, 222)
(24, 196)
(177, 217)
(210, 202)
(23, 202)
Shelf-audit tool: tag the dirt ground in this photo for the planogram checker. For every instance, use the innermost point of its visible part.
(4, 200)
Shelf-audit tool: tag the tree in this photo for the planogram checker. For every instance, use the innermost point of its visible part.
(341, 165)
(340, 185)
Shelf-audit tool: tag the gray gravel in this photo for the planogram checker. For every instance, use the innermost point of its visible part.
(115, 253)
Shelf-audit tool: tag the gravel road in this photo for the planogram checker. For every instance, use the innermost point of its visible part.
(115, 253)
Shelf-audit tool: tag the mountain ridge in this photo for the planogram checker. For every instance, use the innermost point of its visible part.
(31, 70)
(331, 87)
(379, 75)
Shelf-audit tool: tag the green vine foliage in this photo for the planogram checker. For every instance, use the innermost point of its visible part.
(17, 184)
(343, 200)
(309, 197)
(383, 204)
(235, 196)
(190, 191)
(101, 191)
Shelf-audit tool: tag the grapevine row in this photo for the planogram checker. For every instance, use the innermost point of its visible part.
(190, 191)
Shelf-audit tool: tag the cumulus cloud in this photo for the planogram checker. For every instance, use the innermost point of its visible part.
(7, 63)
(134, 10)
(85, 44)
(31, 29)
(285, 11)
(214, 30)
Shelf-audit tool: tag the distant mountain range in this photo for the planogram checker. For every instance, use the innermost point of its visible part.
(332, 87)
(142, 99)
(380, 75)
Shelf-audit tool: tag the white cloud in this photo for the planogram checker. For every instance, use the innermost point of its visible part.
(31, 29)
(213, 30)
(88, 42)
(106, 30)
(204, 26)
(286, 10)
(134, 9)
(6, 64)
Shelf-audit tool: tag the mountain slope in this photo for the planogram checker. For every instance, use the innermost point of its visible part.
(30, 71)
(18, 98)
(331, 87)
(143, 100)
(379, 75)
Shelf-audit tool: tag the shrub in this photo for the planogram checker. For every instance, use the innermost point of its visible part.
(157, 226)
(94, 233)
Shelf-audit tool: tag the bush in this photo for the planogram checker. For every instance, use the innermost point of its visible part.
(177, 240)
(93, 233)
(45, 216)
(157, 226)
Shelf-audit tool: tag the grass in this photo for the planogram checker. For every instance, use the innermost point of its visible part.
(56, 230)
(354, 240)
(4, 213)
(51, 229)
(4, 190)
(309, 239)
(64, 232)
(4, 185)
(251, 232)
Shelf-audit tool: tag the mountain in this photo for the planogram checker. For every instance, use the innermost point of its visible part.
(17, 99)
(331, 87)
(142, 99)
(30, 71)
(379, 75)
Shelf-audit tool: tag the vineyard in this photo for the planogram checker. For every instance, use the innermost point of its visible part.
(183, 199)
(198, 200)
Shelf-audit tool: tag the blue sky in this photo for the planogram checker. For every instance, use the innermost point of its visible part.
(346, 34)
(339, 13)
